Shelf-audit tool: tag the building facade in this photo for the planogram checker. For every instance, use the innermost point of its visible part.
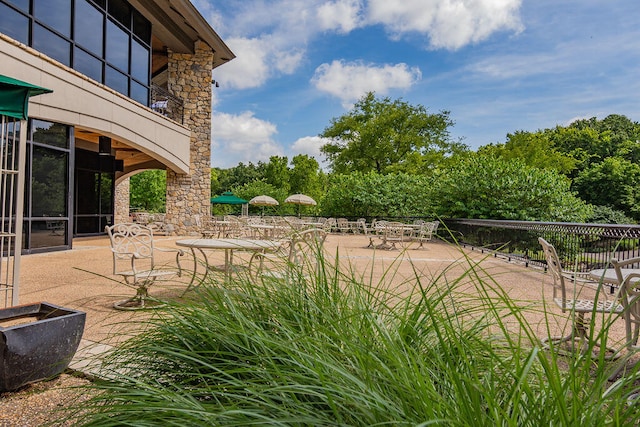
(131, 83)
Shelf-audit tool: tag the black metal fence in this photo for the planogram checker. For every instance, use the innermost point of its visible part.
(582, 246)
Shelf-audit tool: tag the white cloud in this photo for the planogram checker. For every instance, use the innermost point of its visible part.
(449, 24)
(342, 16)
(309, 145)
(250, 67)
(242, 138)
(270, 38)
(349, 81)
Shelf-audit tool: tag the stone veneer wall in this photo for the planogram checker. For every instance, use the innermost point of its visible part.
(189, 195)
(123, 190)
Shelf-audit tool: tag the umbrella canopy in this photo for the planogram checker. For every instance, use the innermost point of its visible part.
(300, 199)
(263, 201)
(228, 198)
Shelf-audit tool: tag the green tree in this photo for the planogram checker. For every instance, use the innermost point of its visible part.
(236, 176)
(149, 191)
(614, 182)
(306, 176)
(534, 148)
(258, 188)
(385, 136)
(482, 186)
(276, 172)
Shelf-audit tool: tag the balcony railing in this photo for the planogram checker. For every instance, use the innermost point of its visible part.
(580, 246)
(167, 104)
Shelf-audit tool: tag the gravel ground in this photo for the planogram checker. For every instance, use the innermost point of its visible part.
(41, 403)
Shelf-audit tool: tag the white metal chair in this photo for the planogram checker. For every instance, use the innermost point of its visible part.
(298, 258)
(629, 296)
(133, 252)
(424, 232)
(343, 225)
(569, 301)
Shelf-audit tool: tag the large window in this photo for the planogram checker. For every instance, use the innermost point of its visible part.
(94, 192)
(47, 208)
(107, 40)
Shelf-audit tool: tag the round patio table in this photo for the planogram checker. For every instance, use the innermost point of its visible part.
(228, 245)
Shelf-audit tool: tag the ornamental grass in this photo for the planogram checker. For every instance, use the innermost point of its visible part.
(329, 347)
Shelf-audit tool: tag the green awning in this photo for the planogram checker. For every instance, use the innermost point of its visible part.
(228, 198)
(14, 96)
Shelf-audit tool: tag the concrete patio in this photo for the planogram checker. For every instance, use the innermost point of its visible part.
(81, 279)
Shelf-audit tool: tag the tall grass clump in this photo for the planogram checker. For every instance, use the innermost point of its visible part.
(332, 348)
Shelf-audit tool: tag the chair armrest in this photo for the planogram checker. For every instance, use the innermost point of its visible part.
(179, 253)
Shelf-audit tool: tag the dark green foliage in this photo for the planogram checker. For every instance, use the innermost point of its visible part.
(375, 195)
(149, 191)
(484, 186)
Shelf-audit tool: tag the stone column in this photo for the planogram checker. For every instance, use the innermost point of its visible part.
(190, 80)
(123, 190)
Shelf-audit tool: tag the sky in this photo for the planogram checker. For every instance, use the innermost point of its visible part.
(497, 67)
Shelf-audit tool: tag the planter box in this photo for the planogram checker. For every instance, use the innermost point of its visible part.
(37, 341)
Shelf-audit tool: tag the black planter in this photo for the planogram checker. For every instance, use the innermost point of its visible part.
(37, 341)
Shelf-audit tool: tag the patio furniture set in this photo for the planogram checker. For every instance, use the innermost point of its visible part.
(285, 258)
(624, 301)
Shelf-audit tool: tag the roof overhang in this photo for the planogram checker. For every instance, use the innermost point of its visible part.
(179, 25)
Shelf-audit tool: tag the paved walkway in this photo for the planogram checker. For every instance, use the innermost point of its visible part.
(81, 279)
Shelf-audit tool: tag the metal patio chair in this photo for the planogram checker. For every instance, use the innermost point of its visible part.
(297, 258)
(569, 300)
(134, 254)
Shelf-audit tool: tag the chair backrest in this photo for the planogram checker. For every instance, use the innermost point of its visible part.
(130, 240)
(305, 246)
(555, 269)
(329, 225)
(436, 224)
(629, 296)
(395, 230)
(343, 224)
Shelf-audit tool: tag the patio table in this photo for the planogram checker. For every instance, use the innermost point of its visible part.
(608, 275)
(228, 245)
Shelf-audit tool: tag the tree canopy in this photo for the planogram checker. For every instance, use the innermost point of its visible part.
(385, 136)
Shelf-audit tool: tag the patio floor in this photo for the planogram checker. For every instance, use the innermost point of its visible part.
(81, 279)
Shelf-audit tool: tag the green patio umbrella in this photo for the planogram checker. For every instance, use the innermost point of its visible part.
(228, 198)
(14, 96)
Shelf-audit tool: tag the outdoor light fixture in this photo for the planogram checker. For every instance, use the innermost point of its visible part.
(104, 146)
(215, 83)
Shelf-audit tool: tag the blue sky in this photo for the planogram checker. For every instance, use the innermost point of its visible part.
(497, 66)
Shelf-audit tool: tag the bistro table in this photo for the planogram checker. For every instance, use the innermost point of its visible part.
(608, 275)
(228, 245)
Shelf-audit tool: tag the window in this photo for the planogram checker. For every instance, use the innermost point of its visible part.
(116, 80)
(54, 134)
(89, 27)
(87, 64)
(110, 40)
(21, 4)
(14, 24)
(47, 187)
(54, 14)
(139, 61)
(117, 47)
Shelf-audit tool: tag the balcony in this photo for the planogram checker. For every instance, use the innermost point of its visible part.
(167, 104)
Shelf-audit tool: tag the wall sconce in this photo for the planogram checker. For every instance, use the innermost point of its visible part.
(104, 146)
(215, 83)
